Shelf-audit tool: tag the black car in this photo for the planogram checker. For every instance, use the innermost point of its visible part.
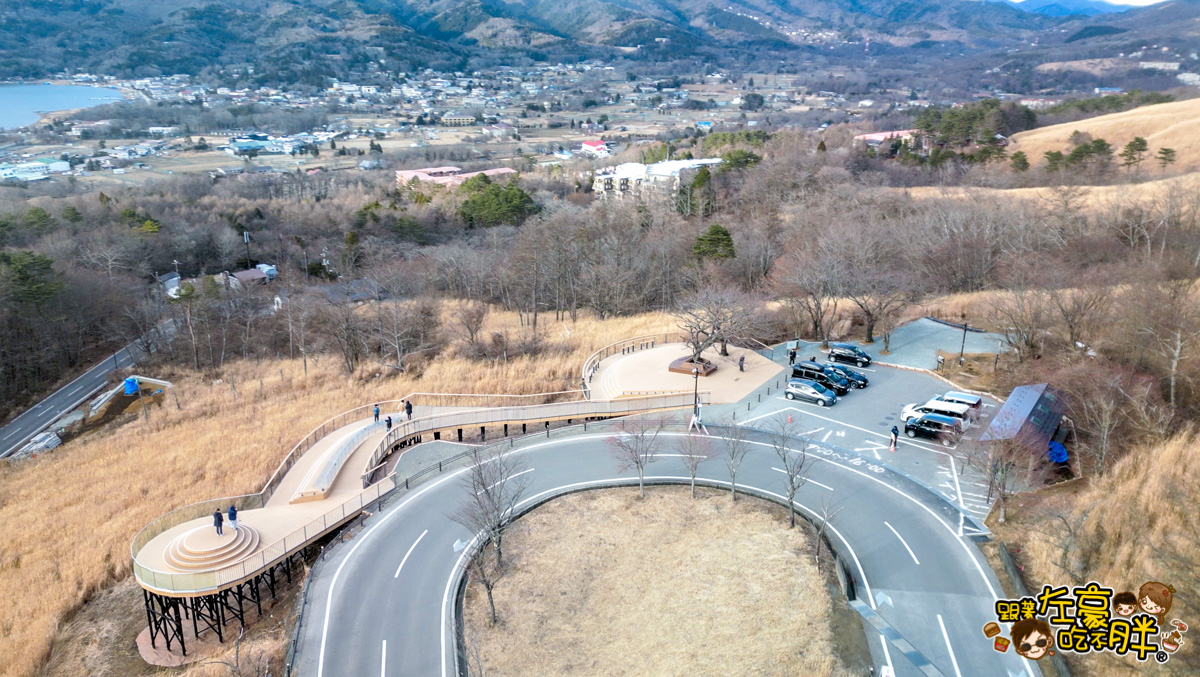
(844, 352)
(934, 426)
(799, 389)
(856, 379)
(811, 371)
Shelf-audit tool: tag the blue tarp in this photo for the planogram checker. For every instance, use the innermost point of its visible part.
(131, 385)
(1057, 453)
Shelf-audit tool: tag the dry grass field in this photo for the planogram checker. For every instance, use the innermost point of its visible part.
(72, 513)
(1165, 125)
(601, 583)
(1094, 200)
(1137, 523)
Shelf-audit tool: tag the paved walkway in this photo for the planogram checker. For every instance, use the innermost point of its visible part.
(645, 371)
(916, 344)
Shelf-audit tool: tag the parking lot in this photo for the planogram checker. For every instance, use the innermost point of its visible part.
(860, 425)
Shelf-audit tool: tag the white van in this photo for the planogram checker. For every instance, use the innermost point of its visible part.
(975, 402)
(959, 412)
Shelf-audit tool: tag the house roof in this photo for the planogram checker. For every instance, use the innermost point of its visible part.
(1029, 416)
(248, 276)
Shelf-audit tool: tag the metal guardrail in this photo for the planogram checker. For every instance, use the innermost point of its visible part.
(543, 412)
(592, 363)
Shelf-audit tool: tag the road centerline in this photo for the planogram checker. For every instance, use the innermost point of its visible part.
(410, 551)
(903, 542)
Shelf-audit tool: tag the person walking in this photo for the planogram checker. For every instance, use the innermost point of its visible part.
(389, 424)
(377, 413)
(792, 357)
(233, 517)
(408, 408)
(217, 521)
(895, 438)
(742, 363)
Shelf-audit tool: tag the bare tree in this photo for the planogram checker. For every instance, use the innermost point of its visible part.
(487, 571)
(1073, 542)
(714, 316)
(828, 512)
(1081, 308)
(736, 445)
(341, 321)
(810, 288)
(635, 445)
(1023, 316)
(494, 488)
(1010, 463)
(1171, 326)
(468, 320)
(694, 450)
(794, 459)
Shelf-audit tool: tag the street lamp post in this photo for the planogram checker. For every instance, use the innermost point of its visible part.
(962, 350)
(695, 392)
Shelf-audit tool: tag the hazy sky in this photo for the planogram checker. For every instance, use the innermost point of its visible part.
(1139, 3)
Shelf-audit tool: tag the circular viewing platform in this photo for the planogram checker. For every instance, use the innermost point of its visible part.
(201, 549)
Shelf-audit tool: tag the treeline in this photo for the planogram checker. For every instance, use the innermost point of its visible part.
(365, 263)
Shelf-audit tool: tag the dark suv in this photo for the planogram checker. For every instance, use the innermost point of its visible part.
(856, 379)
(844, 352)
(811, 371)
(934, 426)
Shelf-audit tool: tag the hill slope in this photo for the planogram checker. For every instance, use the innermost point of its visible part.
(308, 39)
(1170, 125)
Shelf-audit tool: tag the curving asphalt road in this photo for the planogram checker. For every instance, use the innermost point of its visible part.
(382, 605)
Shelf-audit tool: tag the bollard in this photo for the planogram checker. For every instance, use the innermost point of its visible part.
(482, 433)
(747, 406)
(547, 429)
(460, 434)
(760, 397)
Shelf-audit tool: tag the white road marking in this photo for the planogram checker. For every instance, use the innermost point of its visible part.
(887, 655)
(503, 481)
(814, 430)
(826, 438)
(902, 542)
(383, 661)
(806, 481)
(410, 550)
(953, 660)
(338, 572)
(967, 493)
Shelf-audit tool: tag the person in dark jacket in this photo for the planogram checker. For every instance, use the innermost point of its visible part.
(895, 438)
(377, 413)
(792, 357)
(389, 423)
(742, 363)
(233, 517)
(408, 408)
(217, 521)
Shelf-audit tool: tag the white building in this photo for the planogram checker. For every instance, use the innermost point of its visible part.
(662, 179)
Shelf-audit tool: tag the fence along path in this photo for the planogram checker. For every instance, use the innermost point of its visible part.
(283, 527)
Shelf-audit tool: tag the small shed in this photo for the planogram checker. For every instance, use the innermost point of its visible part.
(1030, 416)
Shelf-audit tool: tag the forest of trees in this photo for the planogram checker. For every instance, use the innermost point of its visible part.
(366, 268)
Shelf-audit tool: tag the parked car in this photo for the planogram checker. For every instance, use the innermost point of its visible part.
(811, 371)
(935, 427)
(959, 412)
(855, 378)
(800, 389)
(975, 402)
(844, 352)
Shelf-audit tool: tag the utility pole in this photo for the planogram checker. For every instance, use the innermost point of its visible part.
(962, 350)
(246, 239)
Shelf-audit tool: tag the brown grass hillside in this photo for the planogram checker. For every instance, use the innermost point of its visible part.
(1094, 200)
(1165, 125)
(71, 514)
(1135, 524)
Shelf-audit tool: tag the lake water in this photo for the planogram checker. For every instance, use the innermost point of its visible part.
(21, 104)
